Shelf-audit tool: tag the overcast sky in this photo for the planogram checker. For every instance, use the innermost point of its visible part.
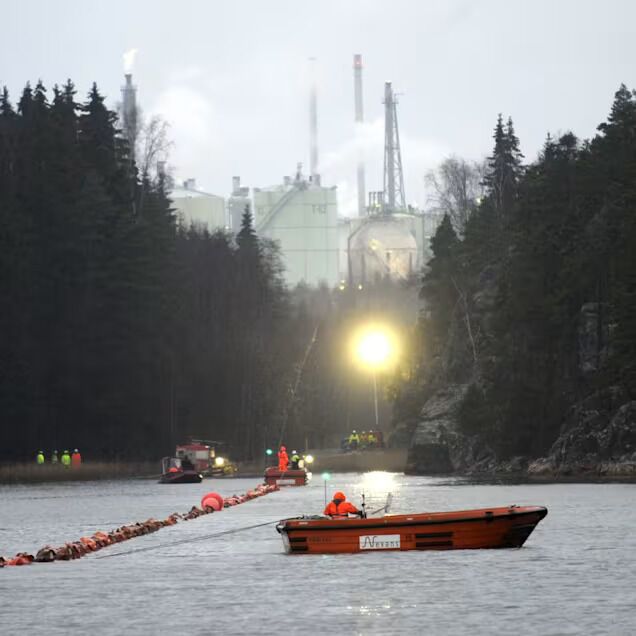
(231, 77)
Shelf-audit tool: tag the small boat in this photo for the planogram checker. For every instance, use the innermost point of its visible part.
(205, 457)
(460, 530)
(176, 471)
(291, 477)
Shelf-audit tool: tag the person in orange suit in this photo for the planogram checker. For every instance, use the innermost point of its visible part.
(283, 459)
(339, 507)
(76, 459)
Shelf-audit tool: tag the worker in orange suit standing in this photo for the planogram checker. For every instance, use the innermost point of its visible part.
(76, 459)
(283, 459)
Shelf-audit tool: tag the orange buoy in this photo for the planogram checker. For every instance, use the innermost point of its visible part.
(216, 497)
(212, 503)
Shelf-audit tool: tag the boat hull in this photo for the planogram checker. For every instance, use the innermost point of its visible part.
(181, 477)
(462, 530)
(275, 477)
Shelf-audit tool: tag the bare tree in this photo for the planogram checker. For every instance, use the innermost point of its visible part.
(152, 145)
(455, 188)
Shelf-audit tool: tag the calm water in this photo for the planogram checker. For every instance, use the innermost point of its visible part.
(576, 575)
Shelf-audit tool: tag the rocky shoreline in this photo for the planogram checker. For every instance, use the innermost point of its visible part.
(597, 441)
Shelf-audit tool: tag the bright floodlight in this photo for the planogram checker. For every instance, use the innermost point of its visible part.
(309, 459)
(374, 348)
(219, 461)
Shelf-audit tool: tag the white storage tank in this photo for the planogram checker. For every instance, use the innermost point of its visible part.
(194, 206)
(302, 216)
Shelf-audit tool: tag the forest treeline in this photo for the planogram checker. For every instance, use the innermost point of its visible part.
(121, 331)
(531, 302)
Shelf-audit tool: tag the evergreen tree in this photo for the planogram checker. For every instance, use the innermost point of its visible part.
(246, 237)
(504, 169)
(440, 284)
(6, 109)
(26, 100)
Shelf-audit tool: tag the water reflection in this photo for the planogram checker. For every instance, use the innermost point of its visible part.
(376, 486)
(378, 482)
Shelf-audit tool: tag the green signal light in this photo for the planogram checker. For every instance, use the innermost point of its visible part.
(269, 451)
(326, 476)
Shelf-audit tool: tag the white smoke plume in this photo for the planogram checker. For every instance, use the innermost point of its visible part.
(419, 155)
(129, 60)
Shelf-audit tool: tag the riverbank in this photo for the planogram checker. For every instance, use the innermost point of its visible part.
(22, 473)
(390, 459)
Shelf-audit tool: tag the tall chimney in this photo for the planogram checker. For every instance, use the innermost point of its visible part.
(313, 124)
(129, 111)
(359, 119)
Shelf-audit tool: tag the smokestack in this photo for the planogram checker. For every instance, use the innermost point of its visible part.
(359, 119)
(236, 186)
(129, 111)
(313, 124)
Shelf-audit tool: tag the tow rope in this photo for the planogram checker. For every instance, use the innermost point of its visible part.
(99, 540)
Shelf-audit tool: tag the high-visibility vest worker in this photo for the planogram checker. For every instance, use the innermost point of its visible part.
(39, 458)
(54, 458)
(66, 459)
(339, 507)
(76, 459)
(283, 459)
(295, 459)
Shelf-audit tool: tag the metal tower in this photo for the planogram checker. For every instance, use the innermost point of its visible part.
(394, 198)
(359, 118)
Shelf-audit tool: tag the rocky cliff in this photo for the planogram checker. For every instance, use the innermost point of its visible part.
(595, 442)
(597, 436)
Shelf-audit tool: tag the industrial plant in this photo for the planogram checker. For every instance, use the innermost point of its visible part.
(387, 239)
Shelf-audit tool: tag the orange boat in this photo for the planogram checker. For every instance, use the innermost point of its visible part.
(291, 477)
(461, 530)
